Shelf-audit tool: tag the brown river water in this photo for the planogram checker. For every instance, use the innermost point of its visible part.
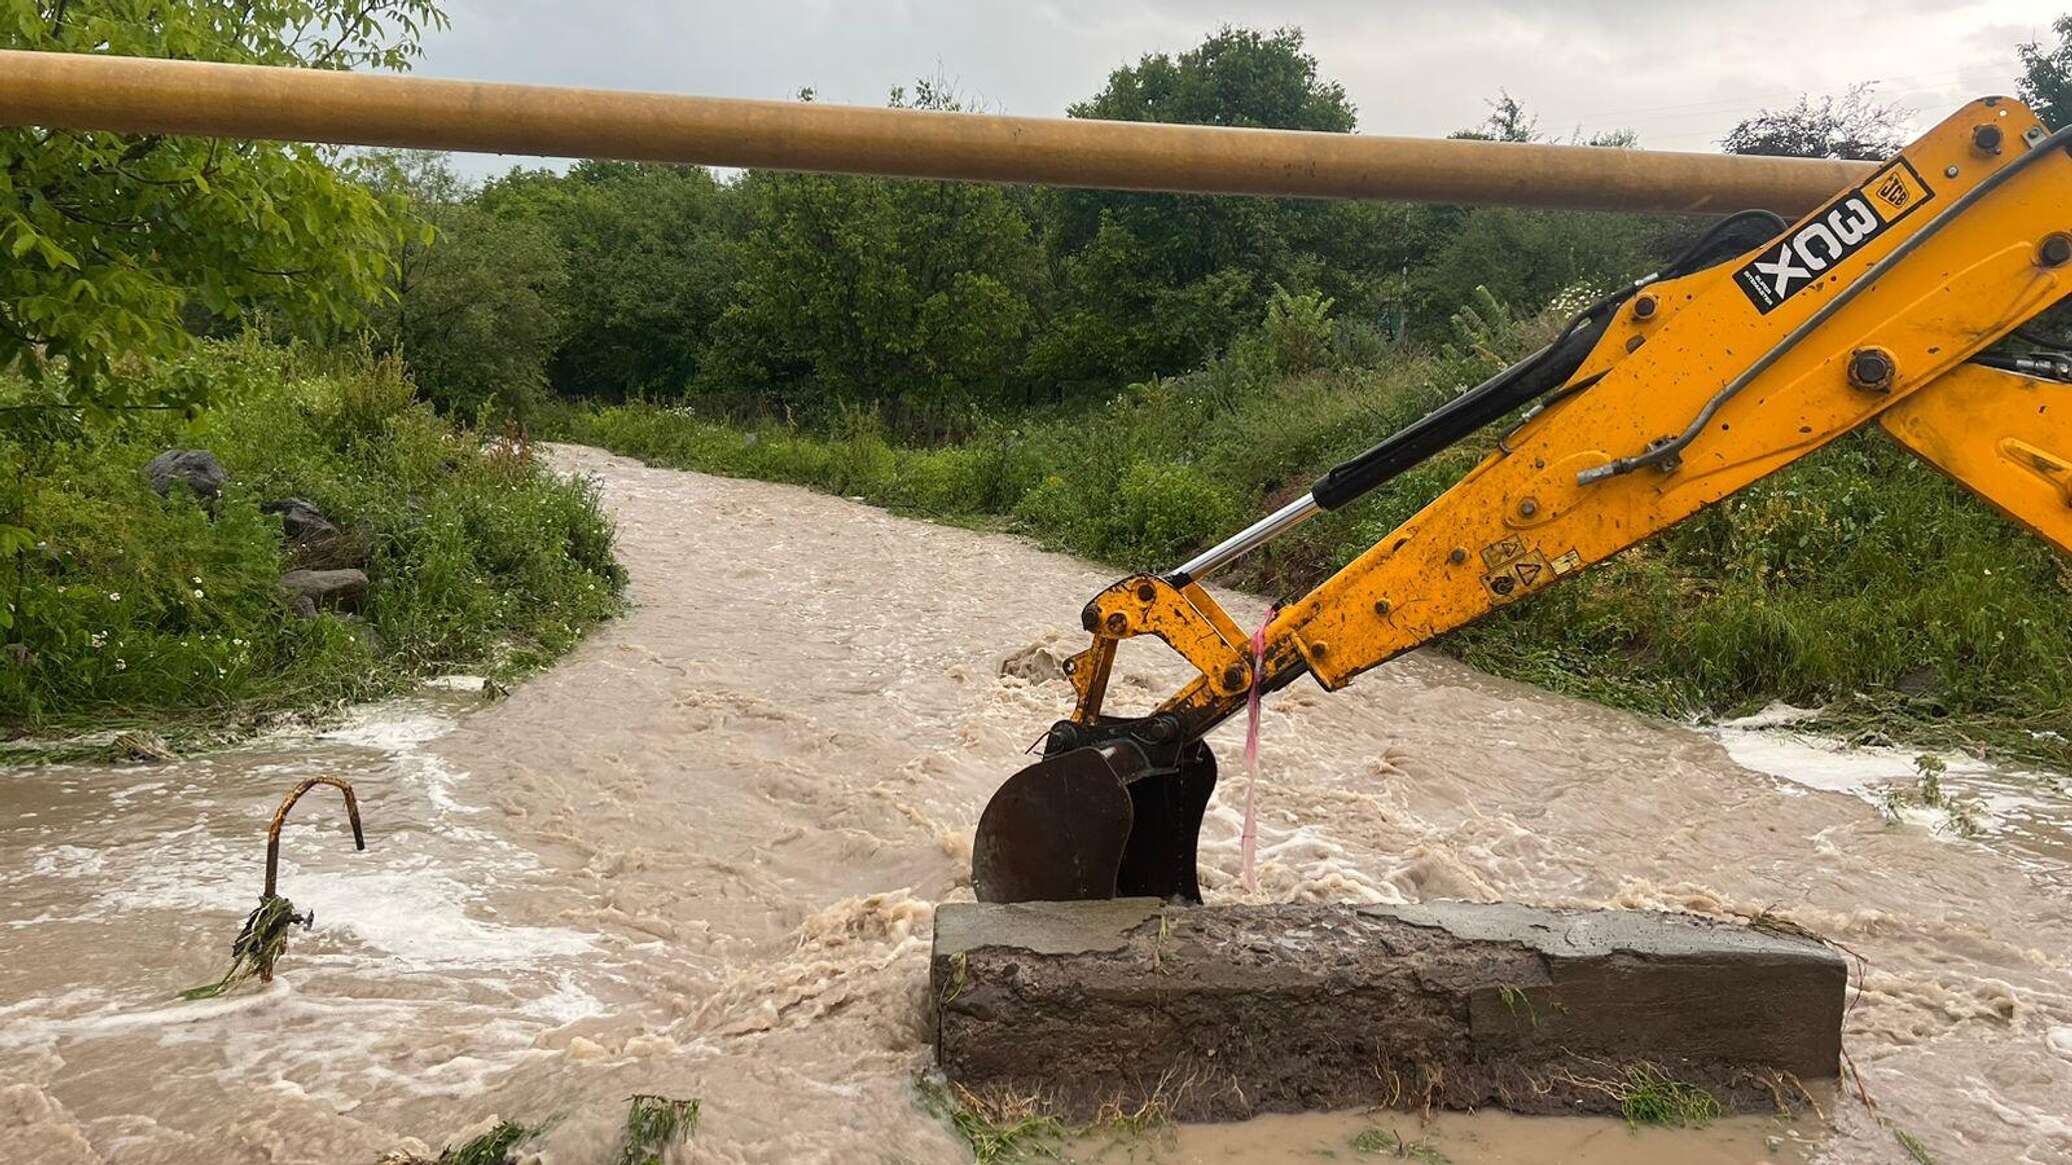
(701, 855)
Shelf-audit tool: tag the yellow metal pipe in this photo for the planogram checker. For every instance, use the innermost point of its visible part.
(139, 95)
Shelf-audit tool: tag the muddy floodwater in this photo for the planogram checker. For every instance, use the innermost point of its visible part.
(700, 857)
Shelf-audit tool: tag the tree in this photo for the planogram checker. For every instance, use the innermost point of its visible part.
(1853, 127)
(1524, 258)
(107, 237)
(1236, 77)
(911, 294)
(472, 305)
(644, 248)
(1507, 122)
(2046, 82)
(1156, 282)
(855, 290)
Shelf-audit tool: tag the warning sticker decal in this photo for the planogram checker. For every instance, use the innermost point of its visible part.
(1526, 573)
(1502, 551)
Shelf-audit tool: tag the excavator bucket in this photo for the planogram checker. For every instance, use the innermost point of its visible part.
(1095, 823)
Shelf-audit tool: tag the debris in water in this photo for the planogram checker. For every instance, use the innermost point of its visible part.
(653, 1123)
(264, 938)
(258, 947)
(1039, 661)
(147, 747)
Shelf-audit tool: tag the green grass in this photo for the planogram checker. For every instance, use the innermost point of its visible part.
(1858, 580)
(135, 609)
(1649, 1097)
(1003, 1129)
(1379, 1142)
(1960, 814)
(1912, 1144)
(496, 1147)
(653, 1124)
(1002, 1133)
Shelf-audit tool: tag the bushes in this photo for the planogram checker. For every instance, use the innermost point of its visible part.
(132, 605)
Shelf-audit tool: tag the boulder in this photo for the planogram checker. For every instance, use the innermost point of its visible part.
(197, 469)
(315, 542)
(339, 590)
(300, 521)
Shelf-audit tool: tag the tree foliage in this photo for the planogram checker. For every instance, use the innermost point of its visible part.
(1508, 121)
(848, 290)
(1157, 282)
(2046, 82)
(1853, 126)
(473, 310)
(644, 252)
(110, 238)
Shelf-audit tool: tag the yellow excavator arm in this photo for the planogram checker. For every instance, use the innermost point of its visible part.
(1655, 403)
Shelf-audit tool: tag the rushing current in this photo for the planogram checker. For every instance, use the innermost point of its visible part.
(700, 857)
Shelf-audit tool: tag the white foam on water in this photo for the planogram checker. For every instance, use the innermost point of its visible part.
(409, 913)
(391, 726)
(1776, 714)
(411, 907)
(1813, 762)
(2059, 1040)
(122, 797)
(566, 1004)
(65, 861)
(422, 921)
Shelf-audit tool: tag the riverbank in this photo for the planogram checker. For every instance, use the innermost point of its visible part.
(319, 536)
(1859, 582)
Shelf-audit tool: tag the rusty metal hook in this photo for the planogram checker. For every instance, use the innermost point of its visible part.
(280, 817)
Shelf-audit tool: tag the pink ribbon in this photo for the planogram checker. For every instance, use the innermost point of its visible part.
(1248, 840)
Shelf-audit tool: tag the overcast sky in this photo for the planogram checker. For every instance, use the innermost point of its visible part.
(1679, 73)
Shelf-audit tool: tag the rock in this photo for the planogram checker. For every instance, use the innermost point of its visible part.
(300, 521)
(197, 469)
(334, 589)
(1222, 1013)
(303, 606)
(316, 542)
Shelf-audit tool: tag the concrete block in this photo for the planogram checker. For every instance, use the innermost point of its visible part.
(1224, 1012)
